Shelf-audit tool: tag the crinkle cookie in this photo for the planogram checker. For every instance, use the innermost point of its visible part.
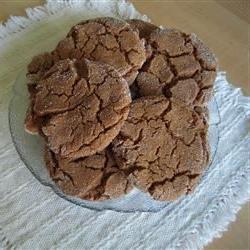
(107, 40)
(99, 145)
(36, 69)
(180, 66)
(93, 177)
(94, 114)
(162, 146)
(145, 28)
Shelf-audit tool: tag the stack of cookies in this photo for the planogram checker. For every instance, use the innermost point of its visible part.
(123, 104)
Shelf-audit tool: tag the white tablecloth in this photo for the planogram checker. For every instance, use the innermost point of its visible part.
(33, 217)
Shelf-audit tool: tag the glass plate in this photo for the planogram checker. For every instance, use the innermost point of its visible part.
(30, 148)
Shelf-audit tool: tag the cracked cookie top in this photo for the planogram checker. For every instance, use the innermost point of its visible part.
(35, 71)
(107, 40)
(85, 128)
(162, 146)
(61, 88)
(180, 66)
(94, 177)
(145, 28)
(38, 66)
(80, 103)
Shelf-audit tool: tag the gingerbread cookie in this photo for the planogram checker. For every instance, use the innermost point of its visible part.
(107, 40)
(94, 177)
(162, 146)
(91, 126)
(180, 66)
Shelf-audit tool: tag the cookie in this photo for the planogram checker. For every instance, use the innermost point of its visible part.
(162, 146)
(107, 40)
(180, 66)
(145, 28)
(36, 69)
(94, 177)
(38, 66)
(62, 87)
(92, 125)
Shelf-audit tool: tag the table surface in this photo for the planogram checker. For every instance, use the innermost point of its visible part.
(225, 27)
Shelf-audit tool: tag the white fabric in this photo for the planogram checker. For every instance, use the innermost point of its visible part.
(33, 217)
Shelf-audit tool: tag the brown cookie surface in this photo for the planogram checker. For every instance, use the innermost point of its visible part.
(89, 127)
(61, 88)
(32, 121)
(36, 69)
(162, 146)
(94, 177)
(180, 66)
(38, 66)
(107, 40)
(98, 144)
(145, 28)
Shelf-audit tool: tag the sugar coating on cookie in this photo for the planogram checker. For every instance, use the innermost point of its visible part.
(94, 177)
(55, 87)
(181, 66)
(80, 104)
(61, 88)
(107, 40)
(94, 123)
(162, 146)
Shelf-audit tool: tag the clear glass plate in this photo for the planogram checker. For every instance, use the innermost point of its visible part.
(30, 148)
